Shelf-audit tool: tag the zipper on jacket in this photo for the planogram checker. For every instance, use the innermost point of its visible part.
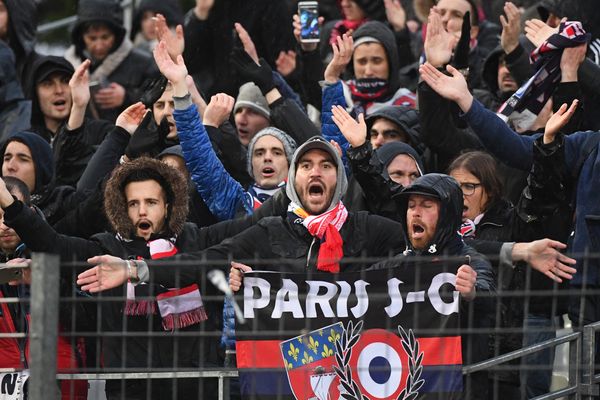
(309, 252)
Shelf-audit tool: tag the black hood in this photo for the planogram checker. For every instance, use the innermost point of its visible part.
(108, 12)
(405, 117)
(447, 190)
(170, 9)
(489, 73)
(391, 150)
(44, 66)
(22, 26)
(383, 34)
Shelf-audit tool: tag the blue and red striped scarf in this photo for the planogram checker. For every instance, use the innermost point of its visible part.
(534, 94)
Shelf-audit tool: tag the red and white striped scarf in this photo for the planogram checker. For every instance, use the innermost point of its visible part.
(325, 227)
(178, 308)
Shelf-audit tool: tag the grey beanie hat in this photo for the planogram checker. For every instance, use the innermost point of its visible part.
(319, 143)
(250, 96)
(289, 145)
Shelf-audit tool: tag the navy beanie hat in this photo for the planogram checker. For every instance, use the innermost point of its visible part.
(41, 152)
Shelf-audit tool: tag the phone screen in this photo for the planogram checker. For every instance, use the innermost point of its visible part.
(309, 19)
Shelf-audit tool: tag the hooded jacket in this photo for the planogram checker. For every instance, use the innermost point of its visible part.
(447, 242)
(371, 188)
(339, 94)
(125, 65)
(195, 352)
(15, 111)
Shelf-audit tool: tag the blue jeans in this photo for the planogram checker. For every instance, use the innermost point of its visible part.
(536, 381)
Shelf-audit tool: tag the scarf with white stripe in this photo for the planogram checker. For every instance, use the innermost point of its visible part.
(178, 308)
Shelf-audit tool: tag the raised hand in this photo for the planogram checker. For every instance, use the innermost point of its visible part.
(175, 71)
(109, 272)
(465, 282)
(196, 97)
(218, 110)
(131, 117)
(558, 120)
(286, 62)
(247, 42)
(112, 96)
(571, 59)
(236, 275)
(450, 87)
(439, 44)
(80, 85)
(395, 13)
(342, 54)
(511, 27)
(261, 74)
(175, 40)
(538, 32)
(354, 132)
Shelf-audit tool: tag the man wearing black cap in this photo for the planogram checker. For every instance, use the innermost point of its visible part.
(60, 95)
(431, 211)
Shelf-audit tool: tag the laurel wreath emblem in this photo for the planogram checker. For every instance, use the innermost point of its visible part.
(346, 342)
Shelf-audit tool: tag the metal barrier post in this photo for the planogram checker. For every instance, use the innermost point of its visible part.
(44, 326)
(575, 348)
(589, 389)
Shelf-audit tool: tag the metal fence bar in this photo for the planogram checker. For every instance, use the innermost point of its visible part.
(44, 324)
(492, 362)
(589, 388)
(216, 373)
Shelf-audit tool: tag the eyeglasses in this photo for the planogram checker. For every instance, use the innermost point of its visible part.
(468, 188)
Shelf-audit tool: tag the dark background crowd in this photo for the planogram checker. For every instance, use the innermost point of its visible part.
(213, 129)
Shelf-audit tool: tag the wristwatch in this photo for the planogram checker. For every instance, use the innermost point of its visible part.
(132, 274)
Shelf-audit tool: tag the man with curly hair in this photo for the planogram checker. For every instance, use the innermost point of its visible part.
(146, 202)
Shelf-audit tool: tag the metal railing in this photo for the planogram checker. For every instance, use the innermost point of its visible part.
(582, 380)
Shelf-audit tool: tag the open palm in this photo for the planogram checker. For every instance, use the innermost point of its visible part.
(354, 132)
(173, 71)
(452, 87)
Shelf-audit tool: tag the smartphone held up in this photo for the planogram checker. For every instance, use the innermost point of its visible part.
(309, 20)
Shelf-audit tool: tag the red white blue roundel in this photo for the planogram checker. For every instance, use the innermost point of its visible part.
(380, 364)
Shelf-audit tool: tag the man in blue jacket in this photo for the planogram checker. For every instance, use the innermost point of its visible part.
(581, 156)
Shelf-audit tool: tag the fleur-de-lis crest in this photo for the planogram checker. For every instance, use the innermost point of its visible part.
(326, 351)
(333, 336)
(313, 344)
(289, 365)
(293, 352)
(307, 358)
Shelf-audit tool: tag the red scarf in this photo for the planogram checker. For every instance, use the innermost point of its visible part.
(326, 227)
(178, 308)
(342, 27)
